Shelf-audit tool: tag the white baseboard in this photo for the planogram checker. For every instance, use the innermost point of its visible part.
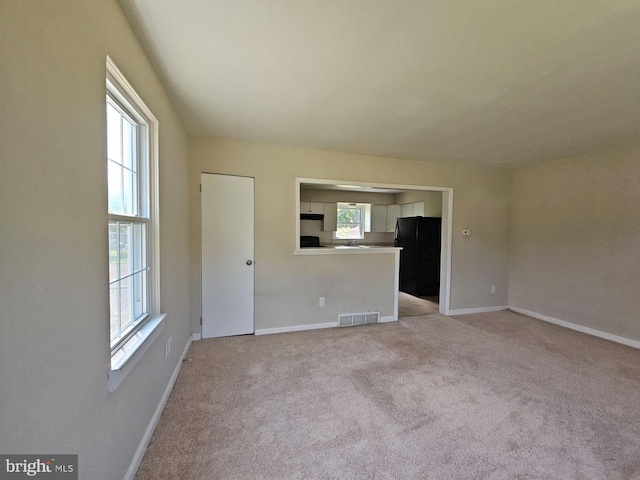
(295, 328)
(311, 326)
(580, 328)
(467, 311)
(196, 336)
(142, 447)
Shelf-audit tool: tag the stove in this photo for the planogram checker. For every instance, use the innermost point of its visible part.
(308, 241)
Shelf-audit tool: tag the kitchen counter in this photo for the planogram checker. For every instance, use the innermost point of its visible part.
(347, 249)
(377, 277)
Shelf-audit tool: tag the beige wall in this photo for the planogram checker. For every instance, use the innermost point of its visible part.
(574, 242)
(288, 286)
(54, 312)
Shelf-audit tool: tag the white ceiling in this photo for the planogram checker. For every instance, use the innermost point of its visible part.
(484, 82)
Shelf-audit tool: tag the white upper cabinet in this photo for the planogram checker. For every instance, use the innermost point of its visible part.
(330, 223)
(415, 209)
(407, 210)
(312, 207)
(393, 212)
(384, 217)
(378, 218)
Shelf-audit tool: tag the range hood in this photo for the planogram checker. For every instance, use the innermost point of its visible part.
(311, 216)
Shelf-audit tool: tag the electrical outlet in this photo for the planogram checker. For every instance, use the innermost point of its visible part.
(321, 303)
(493, 289)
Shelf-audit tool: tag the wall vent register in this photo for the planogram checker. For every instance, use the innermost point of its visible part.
(353, 319)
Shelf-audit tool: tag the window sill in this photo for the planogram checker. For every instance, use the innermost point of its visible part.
(123, 361)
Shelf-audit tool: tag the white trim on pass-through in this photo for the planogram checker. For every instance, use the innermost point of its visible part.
(446, 235)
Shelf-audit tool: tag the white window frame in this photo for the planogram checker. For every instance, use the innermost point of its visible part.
(138, 217)
(362, 223)
(128, 350)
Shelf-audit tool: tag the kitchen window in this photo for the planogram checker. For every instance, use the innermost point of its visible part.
(133, 250)
(351, 221)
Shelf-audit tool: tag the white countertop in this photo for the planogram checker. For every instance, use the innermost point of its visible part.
(347, 249)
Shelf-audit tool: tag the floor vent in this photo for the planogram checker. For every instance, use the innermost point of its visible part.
(351, 319)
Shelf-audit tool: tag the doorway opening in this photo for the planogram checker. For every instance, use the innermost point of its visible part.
(412, 306)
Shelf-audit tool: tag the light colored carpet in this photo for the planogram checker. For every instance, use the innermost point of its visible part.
(410, 306)
(487, 396)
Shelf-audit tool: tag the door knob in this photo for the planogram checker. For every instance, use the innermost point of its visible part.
(249, 262)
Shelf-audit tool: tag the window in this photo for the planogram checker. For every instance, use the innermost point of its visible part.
(132, 210)
(351, 219)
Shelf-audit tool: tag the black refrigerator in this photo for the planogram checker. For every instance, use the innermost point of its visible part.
(419, 238)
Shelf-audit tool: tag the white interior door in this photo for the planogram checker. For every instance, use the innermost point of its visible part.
(227, 255)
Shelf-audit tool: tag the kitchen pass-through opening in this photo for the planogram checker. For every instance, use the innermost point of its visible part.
(388, 202)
